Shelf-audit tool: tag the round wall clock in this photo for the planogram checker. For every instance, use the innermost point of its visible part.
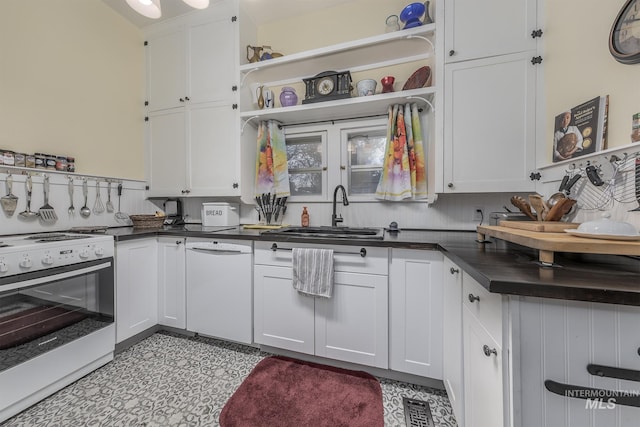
(624, 40)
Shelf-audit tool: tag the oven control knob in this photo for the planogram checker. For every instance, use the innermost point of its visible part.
(3, 267)
(26, 263)
(99, 251)
(47, 260)
(84, 254)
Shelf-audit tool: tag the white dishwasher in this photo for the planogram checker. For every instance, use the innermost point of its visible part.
(219, 288)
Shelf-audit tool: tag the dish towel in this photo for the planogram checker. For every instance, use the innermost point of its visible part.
(272, 172)
(403, 172)
(313, 271)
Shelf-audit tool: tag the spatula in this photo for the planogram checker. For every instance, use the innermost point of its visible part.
(10, 201)
(47, 213)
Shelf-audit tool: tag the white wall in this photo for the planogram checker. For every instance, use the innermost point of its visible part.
(72, 83)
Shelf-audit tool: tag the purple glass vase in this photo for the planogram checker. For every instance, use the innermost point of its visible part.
(288, 97)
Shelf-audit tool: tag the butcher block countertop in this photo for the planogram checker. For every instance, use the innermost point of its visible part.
(500, 266)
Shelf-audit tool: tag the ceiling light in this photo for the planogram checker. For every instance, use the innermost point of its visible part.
(148, 8)
(198, 4)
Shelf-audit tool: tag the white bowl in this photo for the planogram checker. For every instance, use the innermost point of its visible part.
(605, 225)
(366, 87)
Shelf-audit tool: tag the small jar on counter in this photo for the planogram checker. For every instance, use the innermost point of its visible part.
(71, 164)
(30, 161)
(20, 159)
(50, 161)
(61, 163)
(40, 161)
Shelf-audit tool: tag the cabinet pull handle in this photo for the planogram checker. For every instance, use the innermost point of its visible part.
(181, 99)
(536, 33)
(536, 60)
(452, 52)
(186, 98)
(454, 270)
(362, 252)
(450, 185)
(489, 351)
(473, 298)
(178, 242)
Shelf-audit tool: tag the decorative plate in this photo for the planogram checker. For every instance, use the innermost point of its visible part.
(603, 236)
(419, 78)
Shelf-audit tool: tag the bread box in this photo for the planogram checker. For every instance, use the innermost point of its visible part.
(220, 214)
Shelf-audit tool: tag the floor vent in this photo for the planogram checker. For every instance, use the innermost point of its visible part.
(417, 413)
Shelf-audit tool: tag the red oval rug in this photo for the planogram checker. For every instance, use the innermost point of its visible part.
(281, 391)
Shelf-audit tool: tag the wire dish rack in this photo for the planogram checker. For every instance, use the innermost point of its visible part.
(608, 183)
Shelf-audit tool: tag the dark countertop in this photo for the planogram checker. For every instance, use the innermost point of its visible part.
(499, 266)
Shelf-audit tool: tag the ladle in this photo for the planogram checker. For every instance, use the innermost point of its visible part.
(28, 213)
(85, 211)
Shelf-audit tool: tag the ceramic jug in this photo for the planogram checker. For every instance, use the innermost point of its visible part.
(256, 53)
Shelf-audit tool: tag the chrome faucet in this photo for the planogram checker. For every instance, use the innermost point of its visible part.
(335, 219)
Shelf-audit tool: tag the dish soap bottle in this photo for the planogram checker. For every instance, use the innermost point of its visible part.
(304, 219)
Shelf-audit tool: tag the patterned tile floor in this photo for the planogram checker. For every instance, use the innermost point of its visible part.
(170, 380)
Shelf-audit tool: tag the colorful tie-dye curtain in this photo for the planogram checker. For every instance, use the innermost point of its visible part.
(272, 174)
(404, 173)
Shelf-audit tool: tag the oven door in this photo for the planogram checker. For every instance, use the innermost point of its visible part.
(46, 309)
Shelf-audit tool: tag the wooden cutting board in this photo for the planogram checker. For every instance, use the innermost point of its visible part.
(549, 243)
(541, 226)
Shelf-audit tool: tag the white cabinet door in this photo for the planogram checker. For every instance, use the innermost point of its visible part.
(136, 287)
(483, 388)
(415, 280)
(171, 282)
(166, 59)
(452, 373)
(212, 56)
(478, 29)
(283, 317)
(214, 155)
(352, 325)
(489, 141)
(166, 151)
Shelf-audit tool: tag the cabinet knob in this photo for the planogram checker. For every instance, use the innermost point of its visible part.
(452, 52)
(186, 98)
(186, 191)
(235, 185)
(178, 242)
(489, 351)
(343, 167)
(454, 270)
(536, 33)
(473, 298)
(450, 185)
(181, 99)
(536, 60)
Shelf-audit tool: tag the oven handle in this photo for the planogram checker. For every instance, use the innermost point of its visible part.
(45, 279)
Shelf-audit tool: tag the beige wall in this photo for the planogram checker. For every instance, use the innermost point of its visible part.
(578, 65)
(72, 83)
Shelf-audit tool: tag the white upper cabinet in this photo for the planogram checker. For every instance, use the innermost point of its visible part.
(166, 65)
(478, 29)
(490, 124)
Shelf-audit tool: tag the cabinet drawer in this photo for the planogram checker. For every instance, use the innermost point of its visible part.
(487, 309)
(346, 258)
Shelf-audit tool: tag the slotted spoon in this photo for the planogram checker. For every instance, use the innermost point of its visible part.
(109, 203)
(46, 212)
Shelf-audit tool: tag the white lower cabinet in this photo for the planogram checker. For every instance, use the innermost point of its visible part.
(136, 287)
(483, 355)
(452, 367)
(171, 282)
(351, 326)
(416, 312)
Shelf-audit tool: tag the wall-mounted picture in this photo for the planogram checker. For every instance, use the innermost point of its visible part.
(581, 130)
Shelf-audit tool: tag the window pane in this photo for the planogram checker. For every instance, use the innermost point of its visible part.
(367, 150)
(364, 181)
(302, 154)
(305, 183)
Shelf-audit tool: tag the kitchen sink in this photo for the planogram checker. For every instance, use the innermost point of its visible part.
(329, 232)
